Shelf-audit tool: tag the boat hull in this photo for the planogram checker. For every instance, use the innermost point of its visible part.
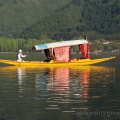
(81, 62)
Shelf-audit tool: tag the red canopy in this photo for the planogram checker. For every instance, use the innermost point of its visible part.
(84, 49)
(62, 54)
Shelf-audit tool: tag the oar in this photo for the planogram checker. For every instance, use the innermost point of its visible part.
(25, 57)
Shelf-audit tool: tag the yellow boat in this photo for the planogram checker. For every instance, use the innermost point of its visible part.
(82, 62)
(57, 54)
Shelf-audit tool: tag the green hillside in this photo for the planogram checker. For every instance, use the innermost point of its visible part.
(16, 15)
(64, 19)
(94, 18)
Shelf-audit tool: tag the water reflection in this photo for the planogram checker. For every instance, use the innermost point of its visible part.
(63, 85)
(21, 79)
(21, 75)
(67, 89)
(61, 80)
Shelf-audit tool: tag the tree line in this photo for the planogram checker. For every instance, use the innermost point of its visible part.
(13, 45)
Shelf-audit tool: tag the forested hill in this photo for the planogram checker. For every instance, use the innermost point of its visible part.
(95, 18)
(17, 15)
(60, 19)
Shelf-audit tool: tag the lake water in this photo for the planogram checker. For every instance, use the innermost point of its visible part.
(64, 93)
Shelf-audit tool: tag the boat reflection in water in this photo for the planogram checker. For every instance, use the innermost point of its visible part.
(64, 88)
(21, 79)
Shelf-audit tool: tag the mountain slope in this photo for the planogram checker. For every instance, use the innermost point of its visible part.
(16, 15)
(95, 18)
(65, 19)
(58, 25)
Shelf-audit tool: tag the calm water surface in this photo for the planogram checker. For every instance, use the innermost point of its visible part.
(64, 93)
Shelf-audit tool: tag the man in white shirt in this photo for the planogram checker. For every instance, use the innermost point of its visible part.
(20, 56)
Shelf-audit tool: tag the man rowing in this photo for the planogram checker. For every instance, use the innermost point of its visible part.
(20, 56)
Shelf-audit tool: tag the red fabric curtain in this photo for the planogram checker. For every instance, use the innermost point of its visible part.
(62, 54)
(84, 49)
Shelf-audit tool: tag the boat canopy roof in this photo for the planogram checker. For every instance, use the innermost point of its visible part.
(59, 44)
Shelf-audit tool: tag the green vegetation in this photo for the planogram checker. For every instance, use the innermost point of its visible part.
(17, 15)
(102, 45)
(13, 45)
(96, 19)
(60, 19)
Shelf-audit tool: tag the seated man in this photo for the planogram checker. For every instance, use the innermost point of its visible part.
(20, 56)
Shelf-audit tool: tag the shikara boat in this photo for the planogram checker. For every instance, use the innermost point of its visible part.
(58, 54)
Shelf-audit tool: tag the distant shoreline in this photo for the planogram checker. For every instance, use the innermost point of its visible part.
(71, 53)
